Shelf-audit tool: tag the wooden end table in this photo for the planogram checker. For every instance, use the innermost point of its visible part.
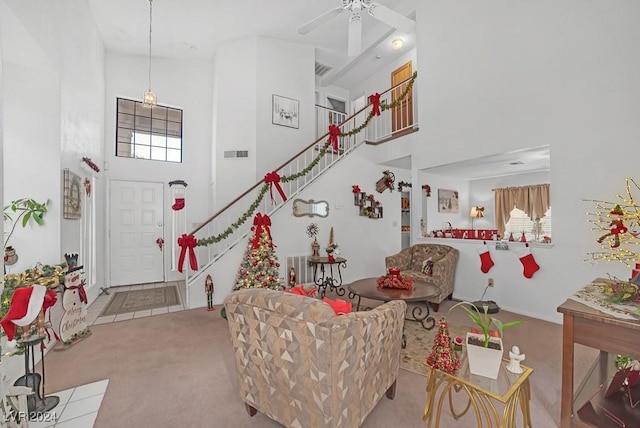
(422, 290)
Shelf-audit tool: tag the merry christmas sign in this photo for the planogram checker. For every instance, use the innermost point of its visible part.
(74, 304)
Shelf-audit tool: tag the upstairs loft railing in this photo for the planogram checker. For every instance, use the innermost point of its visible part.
(231, 224)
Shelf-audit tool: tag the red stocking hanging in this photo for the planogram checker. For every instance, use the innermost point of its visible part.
(486, 263)
(529, 263)
(178, 205)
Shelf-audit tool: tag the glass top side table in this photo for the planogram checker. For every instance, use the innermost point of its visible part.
(511, 389)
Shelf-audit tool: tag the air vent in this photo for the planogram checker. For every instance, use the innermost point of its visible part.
(322, 69)
(231, 154)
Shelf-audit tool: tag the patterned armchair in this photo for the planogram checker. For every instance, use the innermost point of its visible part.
(303, 366)
(412, 264)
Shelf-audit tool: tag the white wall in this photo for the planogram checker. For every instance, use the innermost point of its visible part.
(235, 111)
(185, 84)
(52, 115)
(502, 76)
(285, 69)
(364, 242)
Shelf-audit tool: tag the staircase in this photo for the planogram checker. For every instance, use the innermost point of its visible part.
(231, 225)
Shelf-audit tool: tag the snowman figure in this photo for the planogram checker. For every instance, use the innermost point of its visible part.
(74, 304)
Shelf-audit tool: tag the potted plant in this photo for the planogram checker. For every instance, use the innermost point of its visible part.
(27, 209)
(484, 347)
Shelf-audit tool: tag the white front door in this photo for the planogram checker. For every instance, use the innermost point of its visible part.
(136, 220)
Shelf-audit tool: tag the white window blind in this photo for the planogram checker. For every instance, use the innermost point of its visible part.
(520, 222)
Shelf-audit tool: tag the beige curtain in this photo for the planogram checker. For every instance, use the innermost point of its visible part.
(533, 200)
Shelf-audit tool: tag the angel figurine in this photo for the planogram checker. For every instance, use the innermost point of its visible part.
(515, 357)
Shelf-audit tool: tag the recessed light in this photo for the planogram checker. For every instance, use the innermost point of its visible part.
(378, 56)
(397, 44)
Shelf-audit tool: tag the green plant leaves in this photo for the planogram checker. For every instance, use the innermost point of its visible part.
(483, 320)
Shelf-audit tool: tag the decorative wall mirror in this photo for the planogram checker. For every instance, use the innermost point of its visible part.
(310, 208)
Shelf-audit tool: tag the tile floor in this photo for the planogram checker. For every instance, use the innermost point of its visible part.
(78, 407)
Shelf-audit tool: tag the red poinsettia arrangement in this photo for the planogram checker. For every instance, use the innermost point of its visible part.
(395, 281)
(355, 188)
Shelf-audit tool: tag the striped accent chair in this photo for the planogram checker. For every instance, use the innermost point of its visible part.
(303, 366)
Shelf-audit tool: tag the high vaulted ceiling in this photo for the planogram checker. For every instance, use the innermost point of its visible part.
(196, 28)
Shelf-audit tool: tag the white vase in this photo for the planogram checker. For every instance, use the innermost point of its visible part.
(484, 361)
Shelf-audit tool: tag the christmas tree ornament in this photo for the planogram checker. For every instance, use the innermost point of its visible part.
(616, 227)
(486, 263)
(528, 261)
(443, 356)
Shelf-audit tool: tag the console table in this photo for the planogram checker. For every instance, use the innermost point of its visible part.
(324, 275)
(590, 327)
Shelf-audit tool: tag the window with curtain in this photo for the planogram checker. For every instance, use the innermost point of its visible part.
(532, 202)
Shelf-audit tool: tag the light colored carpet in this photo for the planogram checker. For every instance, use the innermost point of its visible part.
(124, 302)
(177, 369)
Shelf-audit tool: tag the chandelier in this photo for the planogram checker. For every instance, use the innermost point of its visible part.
(149, 99)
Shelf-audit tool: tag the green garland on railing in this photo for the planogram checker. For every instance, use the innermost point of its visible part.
(383, 106)
(252, 208)
(286, 178)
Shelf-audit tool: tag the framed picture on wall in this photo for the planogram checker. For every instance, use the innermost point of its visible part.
(72, 195)
(448, 201)
(285, 111)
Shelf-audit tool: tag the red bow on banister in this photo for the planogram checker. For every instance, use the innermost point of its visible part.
(334, 133)
(375, 100)
(271, 179)
(261, 221)
(190, 242)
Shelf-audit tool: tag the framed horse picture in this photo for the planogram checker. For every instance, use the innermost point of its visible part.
(285, 111)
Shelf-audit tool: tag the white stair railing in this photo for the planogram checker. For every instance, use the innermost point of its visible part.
(232, 223)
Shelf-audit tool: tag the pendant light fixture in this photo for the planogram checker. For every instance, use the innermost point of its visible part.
(149, 99)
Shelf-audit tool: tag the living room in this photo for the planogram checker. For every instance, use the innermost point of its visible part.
(493, 77)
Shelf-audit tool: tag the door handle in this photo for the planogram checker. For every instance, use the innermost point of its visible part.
(160, 243)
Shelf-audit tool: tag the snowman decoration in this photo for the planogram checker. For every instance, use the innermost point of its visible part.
(74, 304)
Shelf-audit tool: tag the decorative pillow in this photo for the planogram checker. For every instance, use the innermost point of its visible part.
(340, 307)
(427, 267)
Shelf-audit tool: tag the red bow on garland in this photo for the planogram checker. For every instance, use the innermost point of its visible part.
(261, 221)
(334, 133)
(271, 179)
(190, 242)
(375, 100)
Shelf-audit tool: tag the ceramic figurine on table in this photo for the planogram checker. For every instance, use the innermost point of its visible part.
(208, 287)
(515, 357)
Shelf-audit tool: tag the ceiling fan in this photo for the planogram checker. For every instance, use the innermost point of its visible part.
(379, 12)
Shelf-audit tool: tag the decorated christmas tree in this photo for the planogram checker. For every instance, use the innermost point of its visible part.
(260, 267)
(442, 356)
(617, 224)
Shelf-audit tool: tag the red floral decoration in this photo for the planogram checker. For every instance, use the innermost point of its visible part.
(427, 190)
(355, 188)
(371, 197)
(387, 281)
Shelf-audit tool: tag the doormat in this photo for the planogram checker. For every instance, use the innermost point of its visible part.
(124, 302)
